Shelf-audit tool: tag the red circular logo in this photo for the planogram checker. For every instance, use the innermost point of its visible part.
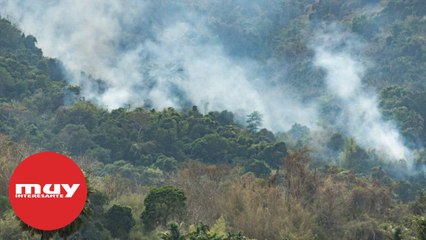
(47, 191)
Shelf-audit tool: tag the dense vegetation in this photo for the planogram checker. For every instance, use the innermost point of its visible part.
(168, 174)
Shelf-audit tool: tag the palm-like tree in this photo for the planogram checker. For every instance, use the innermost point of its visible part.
(68, 230)
(45, 235)
(75, 225)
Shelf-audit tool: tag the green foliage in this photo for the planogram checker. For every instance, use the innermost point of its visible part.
(74, 138)
(364, 26)
(94, 228)
(274, 154)
(44, 234)
(163, 204)
(421, 228)
(404, 190)
(97, 201)
(211, 148)
(4, 205)
(173, 233)
(168, 164)
(99, 153)
(219, 228)
(254, 121)
(259, 168)
(152, 176)
(397, 234)
(132, 150)
(119, 220)
(356, 158)
(24, 73)
(397, 104)
(202, 232)
(67, 230)
(81, 113)
(10, 228)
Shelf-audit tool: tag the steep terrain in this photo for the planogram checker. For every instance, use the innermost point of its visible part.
(310, 125)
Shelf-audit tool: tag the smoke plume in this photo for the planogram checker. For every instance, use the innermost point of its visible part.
(338, 53)
(171, 53)
(157, 54)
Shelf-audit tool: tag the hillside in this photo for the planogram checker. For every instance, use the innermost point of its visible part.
(279, 120)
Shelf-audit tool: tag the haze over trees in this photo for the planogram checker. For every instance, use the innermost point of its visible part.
(183, 172)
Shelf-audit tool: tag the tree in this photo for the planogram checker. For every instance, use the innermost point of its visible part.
(173, 233)
(298, 132)
(259, 168)
(212, 148)
(66, 231)
(94, 229)
(397, 234)
(119, 221)
(44, 235)
(336, 142)
(81, 113)
(355, 158)
(398, 104)
(254, 121)
(75, 225)
(10, 227)
(74, 138)
(421, 227)
(168, 164)
(419, 206)
(4, 204)
(202, 232)
(273, 155)
(162, 205)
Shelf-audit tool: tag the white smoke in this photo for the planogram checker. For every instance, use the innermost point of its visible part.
(163, 53)
(172, 62)
(336, 53)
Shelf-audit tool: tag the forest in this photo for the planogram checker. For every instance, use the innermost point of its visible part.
(170, 160)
